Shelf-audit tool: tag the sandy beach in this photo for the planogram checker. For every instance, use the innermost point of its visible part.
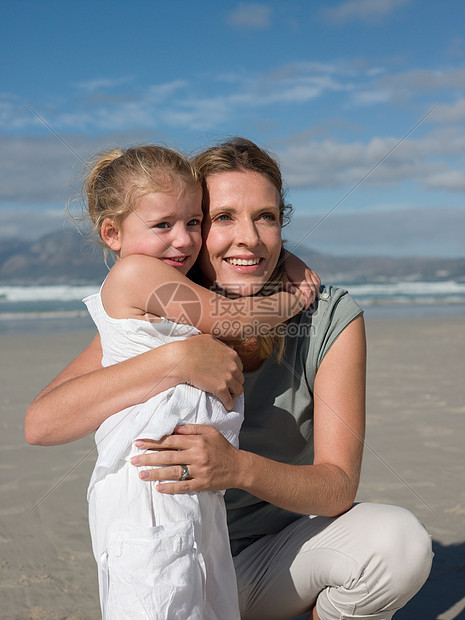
(414, 458)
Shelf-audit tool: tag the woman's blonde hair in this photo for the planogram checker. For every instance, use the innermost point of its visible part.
(235, 155)
(116, 178)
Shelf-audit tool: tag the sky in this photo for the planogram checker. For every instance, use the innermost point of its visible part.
(362, 102)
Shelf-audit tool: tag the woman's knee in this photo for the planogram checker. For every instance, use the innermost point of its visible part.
(399, 545)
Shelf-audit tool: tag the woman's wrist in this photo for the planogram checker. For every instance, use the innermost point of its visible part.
(175, 357)
(243, 470)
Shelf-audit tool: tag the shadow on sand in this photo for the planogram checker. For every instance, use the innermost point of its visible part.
(443, 595)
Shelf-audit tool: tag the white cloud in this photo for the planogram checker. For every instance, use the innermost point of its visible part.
(161, 92)
(35, 169)
(456, 48)
(370, 11)
(187, 104)
(331, 163)
(199, 114)
(370, 97)
(450, 179)
(250, 16)
(98, 84)
(15, 115)
(404, 86)
(24, 223)
(41, 170)
(425, 80)
(195, 105)
(449, 113)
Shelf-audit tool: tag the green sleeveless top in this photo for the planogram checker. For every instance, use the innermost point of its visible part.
(279, 409)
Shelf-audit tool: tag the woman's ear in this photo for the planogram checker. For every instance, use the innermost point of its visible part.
(110, 232)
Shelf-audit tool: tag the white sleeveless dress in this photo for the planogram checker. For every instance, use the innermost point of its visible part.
(159, 556)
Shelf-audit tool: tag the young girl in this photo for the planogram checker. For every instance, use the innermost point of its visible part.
(160, 556)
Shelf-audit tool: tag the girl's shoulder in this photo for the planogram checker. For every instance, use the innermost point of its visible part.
(128, 285)
(132, 265)
(134, 273)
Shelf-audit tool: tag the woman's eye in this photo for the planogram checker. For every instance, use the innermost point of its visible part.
(271, 217)
(162, 225)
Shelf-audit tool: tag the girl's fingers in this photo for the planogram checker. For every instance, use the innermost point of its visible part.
(313, 285)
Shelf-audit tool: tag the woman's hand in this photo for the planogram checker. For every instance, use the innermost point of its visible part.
(213, 367)
(301, 276)
(212, 461)
(327, 488)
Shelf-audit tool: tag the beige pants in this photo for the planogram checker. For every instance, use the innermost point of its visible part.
(367, 563)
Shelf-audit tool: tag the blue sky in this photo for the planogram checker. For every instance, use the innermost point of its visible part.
(363, 102)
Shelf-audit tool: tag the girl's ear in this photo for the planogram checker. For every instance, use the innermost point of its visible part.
(110, 232)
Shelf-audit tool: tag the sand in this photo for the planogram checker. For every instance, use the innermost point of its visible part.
(414, 458)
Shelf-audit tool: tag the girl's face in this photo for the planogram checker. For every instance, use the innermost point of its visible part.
(165, 226)
(242, 231)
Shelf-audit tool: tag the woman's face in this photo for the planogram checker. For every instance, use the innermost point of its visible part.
(242, 231)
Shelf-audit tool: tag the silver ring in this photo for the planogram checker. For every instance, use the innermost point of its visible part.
(185, 473)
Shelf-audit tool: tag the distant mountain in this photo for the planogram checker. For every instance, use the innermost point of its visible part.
(360, 270)
(65, 257)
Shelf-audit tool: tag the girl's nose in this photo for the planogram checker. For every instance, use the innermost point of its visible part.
(181, 237)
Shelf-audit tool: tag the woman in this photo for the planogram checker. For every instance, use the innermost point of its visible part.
(301, 442)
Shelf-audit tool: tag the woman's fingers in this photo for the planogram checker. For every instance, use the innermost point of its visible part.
(194, 429)
(207, 454)
(163, 473)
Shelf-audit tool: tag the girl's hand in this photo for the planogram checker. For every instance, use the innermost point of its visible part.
(301, 276)
(212, 461)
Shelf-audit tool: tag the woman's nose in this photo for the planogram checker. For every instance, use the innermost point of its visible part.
(248, 235)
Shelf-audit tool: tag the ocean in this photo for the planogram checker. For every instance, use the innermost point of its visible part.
(32, 309)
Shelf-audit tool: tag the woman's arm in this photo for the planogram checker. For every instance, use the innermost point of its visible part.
(327, 487)
(147, 285)
(84, 394)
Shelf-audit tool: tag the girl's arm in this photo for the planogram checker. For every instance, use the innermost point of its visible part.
(327, 487)
(144, 284)
(84, 394)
